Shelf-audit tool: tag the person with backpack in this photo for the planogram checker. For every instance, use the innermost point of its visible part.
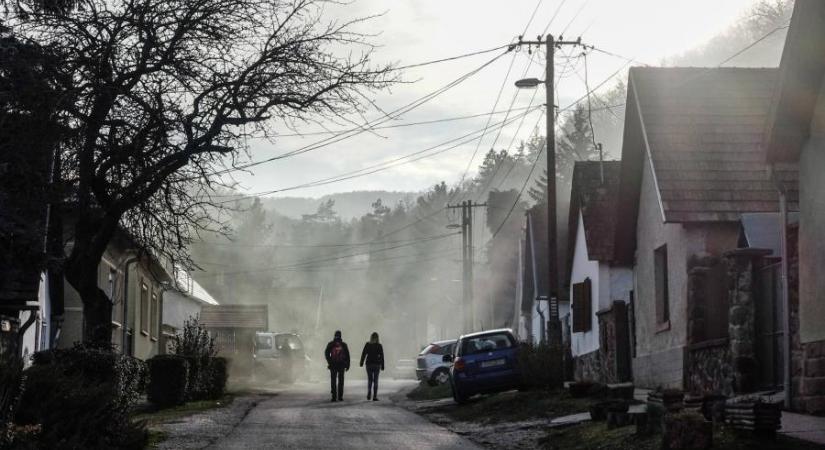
(337, 355)
(373, 354)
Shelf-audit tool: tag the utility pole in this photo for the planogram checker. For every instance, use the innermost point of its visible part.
(553, 325)
(467, 258)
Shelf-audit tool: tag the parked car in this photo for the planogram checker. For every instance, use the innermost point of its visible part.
(404, 369)
(431, 365)
(484, 362)
(279, 355)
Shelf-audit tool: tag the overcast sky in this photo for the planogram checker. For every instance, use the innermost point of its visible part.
(413, 31)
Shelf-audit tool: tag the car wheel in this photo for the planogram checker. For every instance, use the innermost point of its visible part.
(440, 376)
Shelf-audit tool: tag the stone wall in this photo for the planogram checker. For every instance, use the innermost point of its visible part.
(611, 362)
(807, 359)
(709, 370)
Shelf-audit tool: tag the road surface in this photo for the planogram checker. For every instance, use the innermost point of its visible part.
(302, 417)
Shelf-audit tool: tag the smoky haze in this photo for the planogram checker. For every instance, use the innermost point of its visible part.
(391, 261)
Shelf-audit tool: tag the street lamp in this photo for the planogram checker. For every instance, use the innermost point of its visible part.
(528, 83)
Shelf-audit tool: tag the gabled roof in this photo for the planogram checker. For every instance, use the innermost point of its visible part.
(801, 73)
(187, 285)
(594, 193)
(235, 316)
(702, 131)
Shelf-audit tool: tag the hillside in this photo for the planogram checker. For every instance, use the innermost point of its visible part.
(348, 204)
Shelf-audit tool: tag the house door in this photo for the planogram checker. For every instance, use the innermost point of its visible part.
(769, 317)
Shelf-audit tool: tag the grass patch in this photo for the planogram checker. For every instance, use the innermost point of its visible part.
(517, 406)
(592, 435)
(153, 416)
(426, 392)
(155, 438)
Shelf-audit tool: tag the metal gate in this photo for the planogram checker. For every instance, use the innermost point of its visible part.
(769, 318)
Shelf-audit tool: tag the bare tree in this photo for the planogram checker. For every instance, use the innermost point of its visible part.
(166, 94)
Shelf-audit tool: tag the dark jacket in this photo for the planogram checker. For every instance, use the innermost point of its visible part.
(374, 354)
(328, 354)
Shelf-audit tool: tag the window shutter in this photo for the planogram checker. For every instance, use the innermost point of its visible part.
(587, 305)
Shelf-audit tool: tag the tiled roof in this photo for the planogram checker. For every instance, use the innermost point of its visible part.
(235, 316)
(596, 198)
(705, 129)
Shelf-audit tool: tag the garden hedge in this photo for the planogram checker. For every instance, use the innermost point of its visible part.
(168, 380)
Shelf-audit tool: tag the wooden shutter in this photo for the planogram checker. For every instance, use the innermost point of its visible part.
(587, 305)
(582, 306)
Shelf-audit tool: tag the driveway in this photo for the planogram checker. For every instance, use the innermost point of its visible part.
(302, 417)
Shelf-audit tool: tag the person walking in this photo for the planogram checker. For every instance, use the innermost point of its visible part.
(337, 355)
(373, 355)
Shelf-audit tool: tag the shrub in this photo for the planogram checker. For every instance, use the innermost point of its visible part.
(218, 375)
(535, 363)
(195, 344)
(69, 392)
(168, 380)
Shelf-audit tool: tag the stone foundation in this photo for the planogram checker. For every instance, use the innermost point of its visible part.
(709, 370)
(611, 362)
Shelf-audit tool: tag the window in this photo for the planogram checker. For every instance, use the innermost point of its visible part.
(487, 343)
(662, 294)
(144, 309)
(155, 316)
(110, 286)
(582, 306)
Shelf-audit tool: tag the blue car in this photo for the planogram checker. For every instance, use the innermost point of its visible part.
(484, 362)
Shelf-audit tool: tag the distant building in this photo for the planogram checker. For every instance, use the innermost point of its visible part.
(600, 291)
(233, 327)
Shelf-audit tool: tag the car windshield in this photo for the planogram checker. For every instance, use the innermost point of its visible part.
(486, 343)
(294, 343)
(263, 342)
(431, 349)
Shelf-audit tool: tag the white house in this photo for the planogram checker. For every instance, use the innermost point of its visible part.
(600, 290)
(183, 302)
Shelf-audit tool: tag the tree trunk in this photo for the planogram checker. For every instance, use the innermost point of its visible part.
(97, 307)
(91, 239)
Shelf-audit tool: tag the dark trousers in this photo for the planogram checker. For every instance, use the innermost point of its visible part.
(336, 375)
(372, 379)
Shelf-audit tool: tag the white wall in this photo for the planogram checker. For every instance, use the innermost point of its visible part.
(583, 268)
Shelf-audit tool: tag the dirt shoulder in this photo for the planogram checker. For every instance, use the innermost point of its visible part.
(513, 419)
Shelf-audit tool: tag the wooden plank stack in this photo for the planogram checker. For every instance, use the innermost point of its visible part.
(757, 416)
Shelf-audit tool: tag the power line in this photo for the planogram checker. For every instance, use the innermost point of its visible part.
(339, 257)
(369, 170)
(401, 125)
(451, 58)
(481, 138)
(369, 126)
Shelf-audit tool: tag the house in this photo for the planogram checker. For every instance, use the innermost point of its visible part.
(692, 163)
(182, 303)
(600, 290)
(795, 133)
(533, 277)
(233, 327)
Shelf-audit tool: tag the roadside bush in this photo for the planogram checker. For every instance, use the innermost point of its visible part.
(70, 392)
(168, 380)
(195, 344)
(218, 375)
(535, 366)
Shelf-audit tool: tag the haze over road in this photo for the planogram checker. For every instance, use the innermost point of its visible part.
(303, 417)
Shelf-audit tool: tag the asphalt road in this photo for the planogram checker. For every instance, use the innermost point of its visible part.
(303, 417)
